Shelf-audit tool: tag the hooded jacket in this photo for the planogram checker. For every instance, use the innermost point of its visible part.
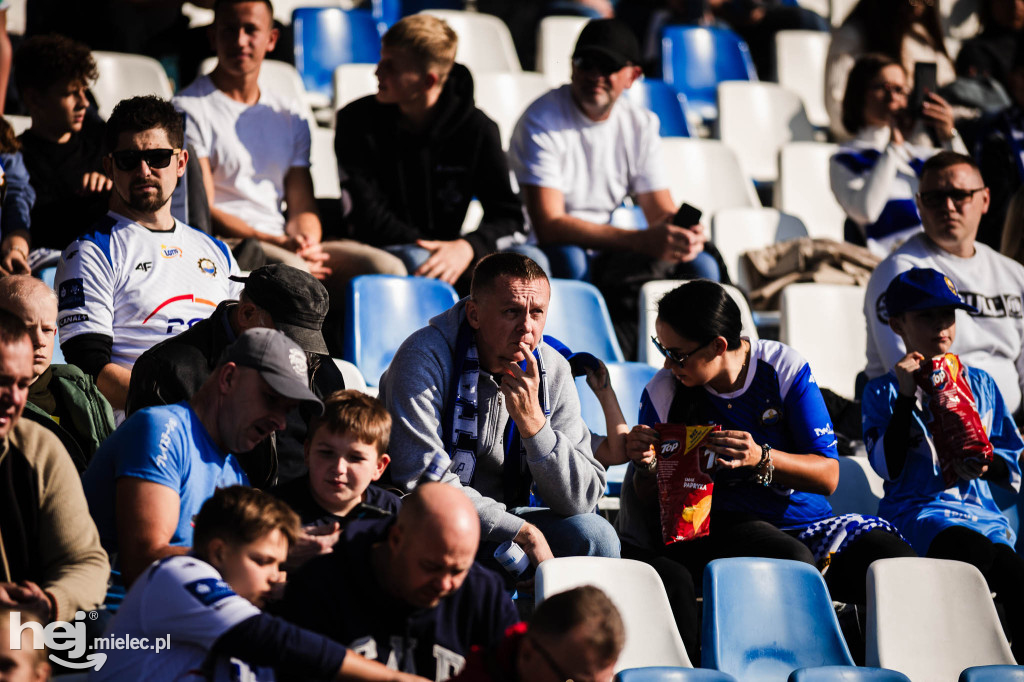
(406, 185)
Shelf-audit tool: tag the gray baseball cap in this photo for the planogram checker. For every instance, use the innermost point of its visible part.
(280, 362)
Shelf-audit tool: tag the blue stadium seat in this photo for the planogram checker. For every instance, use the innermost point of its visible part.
(845, 673)
(628, 379)
(327, 37)
(385, 309)
(668, 104)
(696, 59)
(48, 275)
(389, 11)
(993, 673)
(765, 618)
(579, 318)
(667, 674)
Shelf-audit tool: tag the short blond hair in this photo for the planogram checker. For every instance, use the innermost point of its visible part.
(430, 40)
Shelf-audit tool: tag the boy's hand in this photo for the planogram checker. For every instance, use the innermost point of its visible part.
(641, 442)
(905, 369)
(313, 542)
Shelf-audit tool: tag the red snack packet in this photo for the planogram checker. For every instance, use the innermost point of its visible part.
(956, 427)
(684, 481)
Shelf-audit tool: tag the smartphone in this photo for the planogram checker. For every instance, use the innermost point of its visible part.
(687, 215)
(925, 76)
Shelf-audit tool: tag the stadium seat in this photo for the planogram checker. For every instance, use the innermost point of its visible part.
(993, 673)
(578, 317)
(652, 292)
(385, 309)
(556, 38)
(48, 275)
(505, 96)
(813, 317)
(707, 174)
(800, 67)
(485, 43)
(284, 10)
(840, 9)
(351, 374)
(931, 619)
(822, 7)
(845, 673)
(127, 75)
(738, 230)
(628, 379)
(352, 82)
(694, 60)
(16, 17)
(323, 165)
(327, 37)
(19, 123)
(804, 190)
(860, 487)
(765, 618)
(637, 591)
(960, 20)
(281, 78)
(667, 674)
(198, 17)
(756, 120)
(661, 98)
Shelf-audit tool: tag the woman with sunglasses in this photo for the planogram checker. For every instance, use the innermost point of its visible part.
(874, 176)
(776, 452)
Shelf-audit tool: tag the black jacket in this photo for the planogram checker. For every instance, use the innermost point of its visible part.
(406, 186)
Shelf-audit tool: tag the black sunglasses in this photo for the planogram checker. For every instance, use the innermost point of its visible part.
(128, 159)
(937, 198)
(603, 65)
(678, 358)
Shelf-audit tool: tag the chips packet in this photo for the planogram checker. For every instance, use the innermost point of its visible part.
(956, 428)
(684, 481)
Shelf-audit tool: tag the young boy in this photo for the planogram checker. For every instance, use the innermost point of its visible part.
(25, 664)
(205, 607)
(962, 521)
(345, 453)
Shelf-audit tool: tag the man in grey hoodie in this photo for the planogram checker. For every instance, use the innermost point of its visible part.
(479, 386)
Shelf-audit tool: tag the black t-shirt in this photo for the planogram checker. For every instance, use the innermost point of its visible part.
(377, 503)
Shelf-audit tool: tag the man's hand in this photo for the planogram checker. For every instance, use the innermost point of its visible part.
(314, 541)
(310, 251)
(641, 444)
(672, 243)
(448, 259)
(905, 370)
(94, 181)
(533, 543)
(14, 254)
(26, 595)
(522, 395)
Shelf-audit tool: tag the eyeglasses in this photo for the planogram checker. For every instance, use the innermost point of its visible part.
(128, 159)
(678, 358)
(604, 66)
(937, 198)
(890, 88)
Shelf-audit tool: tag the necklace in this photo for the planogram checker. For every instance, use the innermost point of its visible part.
(741, 377)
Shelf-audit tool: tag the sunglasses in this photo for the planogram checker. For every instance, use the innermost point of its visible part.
(604, 66)
(128, 159)
(937, 198)
(678, 358)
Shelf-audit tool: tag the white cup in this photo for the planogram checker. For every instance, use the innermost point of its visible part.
(512, 558)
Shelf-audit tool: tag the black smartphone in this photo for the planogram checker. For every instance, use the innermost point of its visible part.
(687, 215)
(925, 76)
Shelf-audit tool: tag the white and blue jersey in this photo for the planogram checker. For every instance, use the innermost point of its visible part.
(778, 404)
(917, 501)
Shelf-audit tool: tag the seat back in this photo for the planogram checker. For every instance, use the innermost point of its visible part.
(127, 75)
(756, 120)
(638, 593)
(804, 190)
(764, 618)
(738, 230)
(352, 82)
(670, 674)
(19, 123)
(485, 43)
(579, 318)
(931, 618)
(383, 310)
(505, 96)
(323, 165)
(993, 673)
(840, 10)
(860, 487)
(707, 174)
(800, 67)
(694, 60)
(813, 317)
(327, 37)
(669, 105)
(845, 673)
(351, 374)
(556, 38)
(279, 77)
(628, 379)
(48, 275)
(821, 7)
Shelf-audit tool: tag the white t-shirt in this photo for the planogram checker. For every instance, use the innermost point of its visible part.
(186, 598)
(594, 164)
(992, 283)
(247, 185)
(138, 286)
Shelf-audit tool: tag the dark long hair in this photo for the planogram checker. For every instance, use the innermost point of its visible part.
(863, 72)
(884, 23)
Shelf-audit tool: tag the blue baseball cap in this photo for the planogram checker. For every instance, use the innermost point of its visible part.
(922, 289)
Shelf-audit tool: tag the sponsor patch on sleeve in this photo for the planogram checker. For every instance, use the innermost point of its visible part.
(69, 319)
(209, 591)
(70, 294)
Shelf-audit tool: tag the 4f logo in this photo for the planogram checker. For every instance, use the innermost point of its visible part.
(144, 266)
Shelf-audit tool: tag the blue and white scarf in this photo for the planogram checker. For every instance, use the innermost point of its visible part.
(832, 535)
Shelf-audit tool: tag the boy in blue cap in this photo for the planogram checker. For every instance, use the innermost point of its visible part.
(960, 521)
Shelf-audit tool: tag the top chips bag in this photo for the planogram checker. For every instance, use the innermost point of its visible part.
(684, 481)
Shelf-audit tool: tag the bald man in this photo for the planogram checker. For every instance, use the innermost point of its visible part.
(407, 592)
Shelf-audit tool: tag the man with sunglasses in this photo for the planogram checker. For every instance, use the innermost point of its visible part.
(139, 276)
(951, 199)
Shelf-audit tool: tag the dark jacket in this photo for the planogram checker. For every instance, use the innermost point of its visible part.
(997, 155)
(406, 186)
(174, 369)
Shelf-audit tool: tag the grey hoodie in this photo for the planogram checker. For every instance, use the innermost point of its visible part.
(415, 390)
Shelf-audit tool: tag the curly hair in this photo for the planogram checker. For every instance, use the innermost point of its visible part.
(42, 61)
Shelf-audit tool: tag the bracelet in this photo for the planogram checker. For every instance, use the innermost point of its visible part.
(649, 468)
(765, 468)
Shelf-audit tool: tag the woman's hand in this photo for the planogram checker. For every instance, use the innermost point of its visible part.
(938, 114)
(641, 444)
(735, 449)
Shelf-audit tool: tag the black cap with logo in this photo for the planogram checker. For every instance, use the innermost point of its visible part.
(280, 362)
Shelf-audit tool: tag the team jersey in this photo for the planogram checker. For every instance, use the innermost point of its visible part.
(186, 599)
(779, 404)
(139, 286)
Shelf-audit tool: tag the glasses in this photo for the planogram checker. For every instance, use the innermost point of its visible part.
(128, 159)
(678, 358)
(889, 88)
(603, 66)
(937, 198)
(919, 3)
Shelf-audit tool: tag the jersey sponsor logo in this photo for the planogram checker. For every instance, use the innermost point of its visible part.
(68, 319)
(770, 417)
(144, 265)
(165, 443)
(827, 431)
(209, 591)
(175, 321)
(70, 294)
(170, 251)
(174, 299)
(208, 267)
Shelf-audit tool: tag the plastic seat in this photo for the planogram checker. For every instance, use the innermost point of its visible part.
(351, 374)
(127, 75)
(485, 43)
(505, 96)
(813, 317)
(19, 123)
(800, 67)
(556, 38)
(383, 310)
(804, 190)
(323, 165)
(738, 230)
(628, 379)
(48, 275)
(756, 120)
(579, 318)
(843, 673)
(327, 37)
(16, 16)
(860, 487)
(667, 674)
(284, 10)
(694, 60)
(669, 105)
(821, 7)
(637, 591)
(993, 673)
(652, 292)
(840, 9)
(765, 618)
(931, 619)
(352, 82)
(707, 174)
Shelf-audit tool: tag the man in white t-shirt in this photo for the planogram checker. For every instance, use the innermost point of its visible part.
(139, 275)
(578, 152)
(952, 199)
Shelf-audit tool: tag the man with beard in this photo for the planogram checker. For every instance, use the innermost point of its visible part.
(138, 276)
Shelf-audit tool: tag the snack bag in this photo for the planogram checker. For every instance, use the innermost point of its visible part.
(955, 427)
(684, 481)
